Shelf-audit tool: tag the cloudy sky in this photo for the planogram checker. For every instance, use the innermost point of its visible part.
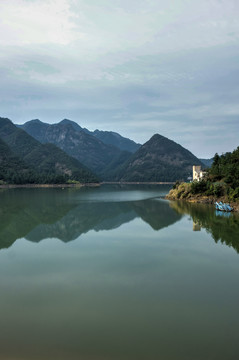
(138, 67)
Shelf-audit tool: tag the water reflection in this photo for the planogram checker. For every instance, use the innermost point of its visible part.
(223, 227)
(37, 214)
(145, 290)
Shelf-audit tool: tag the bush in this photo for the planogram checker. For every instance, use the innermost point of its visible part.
(176, 185)
(233, 194)
(198, 187)
(210, 189)
(218, 190)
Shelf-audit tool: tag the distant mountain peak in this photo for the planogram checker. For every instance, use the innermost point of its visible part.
(67, 121)
(75, 125)
(158, 137)
(159, 159)
(36, 121)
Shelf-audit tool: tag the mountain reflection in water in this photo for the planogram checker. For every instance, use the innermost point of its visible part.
(150, 289)
(37, 214)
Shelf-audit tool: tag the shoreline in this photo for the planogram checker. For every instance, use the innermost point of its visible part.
(200, 199)
(13, 186)
(138, 182)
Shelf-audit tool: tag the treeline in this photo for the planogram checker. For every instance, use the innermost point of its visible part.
(13, 170)
(31, 177)
(226, 168)
(222, 178)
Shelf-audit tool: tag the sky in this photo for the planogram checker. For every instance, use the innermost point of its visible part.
(136, 67)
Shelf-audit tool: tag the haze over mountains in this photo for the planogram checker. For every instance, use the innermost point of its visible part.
(68, 149)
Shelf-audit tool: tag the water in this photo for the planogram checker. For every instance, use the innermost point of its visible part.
(116, 273)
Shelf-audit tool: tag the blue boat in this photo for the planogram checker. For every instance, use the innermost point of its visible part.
(223, 206)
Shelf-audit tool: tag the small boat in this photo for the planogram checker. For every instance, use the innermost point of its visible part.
(223, 206)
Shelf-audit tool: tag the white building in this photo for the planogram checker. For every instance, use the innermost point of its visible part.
(197, 172)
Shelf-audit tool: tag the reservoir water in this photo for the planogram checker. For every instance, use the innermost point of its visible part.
(116, 273)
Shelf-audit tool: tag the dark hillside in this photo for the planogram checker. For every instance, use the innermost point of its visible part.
(113, 138)
(159, 159)
(47, 160)
(70, 137)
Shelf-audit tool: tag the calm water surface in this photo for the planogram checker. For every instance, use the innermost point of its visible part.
(116, 273)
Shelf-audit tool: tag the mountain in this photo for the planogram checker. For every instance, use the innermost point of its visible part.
(35, 128)
(159, 159)
(48, 161)
(76, 126)
(40, 131)
(76, 142)
(115, 158)
(107, 137)
(113, 138)
(207, 162)
(10, 164)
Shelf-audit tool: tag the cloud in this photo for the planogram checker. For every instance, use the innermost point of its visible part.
(137, 67)
(35, 22)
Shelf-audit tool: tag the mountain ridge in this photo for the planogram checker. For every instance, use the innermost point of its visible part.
(107, 137)
(159, 159)
(44, 160)
(89, 150)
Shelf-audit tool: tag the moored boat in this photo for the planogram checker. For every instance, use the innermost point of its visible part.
(223, 206)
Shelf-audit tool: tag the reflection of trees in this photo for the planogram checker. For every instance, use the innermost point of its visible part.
(37, 214)
(222, 226)
(21, 210)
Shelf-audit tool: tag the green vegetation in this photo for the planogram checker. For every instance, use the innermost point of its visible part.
(225, 171)
(221, 180)
(23, 160)
(159, 159)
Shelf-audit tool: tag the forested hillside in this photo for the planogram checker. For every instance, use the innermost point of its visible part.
(70, 137)
(115, 158)
(12, 167)
(36, 163)
(159, 159)
(220, 181)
